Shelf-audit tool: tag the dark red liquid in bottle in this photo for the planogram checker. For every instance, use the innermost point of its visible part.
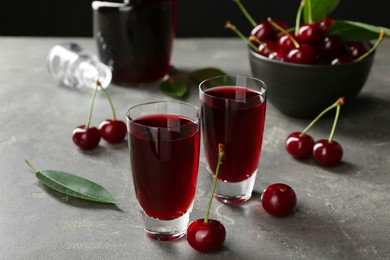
(164, 164)
(136, 39)
(233, 116)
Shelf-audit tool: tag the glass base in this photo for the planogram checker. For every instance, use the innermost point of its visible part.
(166, 230)
(233, 192)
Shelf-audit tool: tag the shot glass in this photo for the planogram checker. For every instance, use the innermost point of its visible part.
(164, 144)
(233, 113)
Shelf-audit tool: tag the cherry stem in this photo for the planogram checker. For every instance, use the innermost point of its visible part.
(221, 152)
(298, 18)
(232, 27)
(91, 107)
(108, 98)
(30, 165)
(338, 103)
(245, 12)
(253, 38)
(296, 44)
(334, 124)
(309, 15)
(380, 38)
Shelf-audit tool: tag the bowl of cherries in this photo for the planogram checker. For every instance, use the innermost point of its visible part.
(309, 65)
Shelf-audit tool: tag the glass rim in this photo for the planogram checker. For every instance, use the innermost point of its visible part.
(264, 85)
(195, 108)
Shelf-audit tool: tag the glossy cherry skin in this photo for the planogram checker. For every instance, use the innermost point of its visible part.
(267, 46)
(279, 199)
(265, 31)
(300, 147)
(206, 237)
(278, 54)
(113, 131)
(327, 154)
(284, 41)
(345, 58)
(326, 23)
(310, 33)
(86, 138)
(330, 47)
(305, 54)
(357, 49)
(281, 24)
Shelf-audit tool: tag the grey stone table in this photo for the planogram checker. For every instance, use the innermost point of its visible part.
(342, 212)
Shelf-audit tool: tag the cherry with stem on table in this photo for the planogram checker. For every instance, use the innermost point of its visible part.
(207, 235)
(112, 130)
(329, 152)
(85, 136)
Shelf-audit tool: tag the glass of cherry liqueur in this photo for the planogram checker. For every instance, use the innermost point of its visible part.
(233, 112)
(164, 144)
(135, 38)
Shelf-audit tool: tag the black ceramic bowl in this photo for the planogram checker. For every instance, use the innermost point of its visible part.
(303, 91)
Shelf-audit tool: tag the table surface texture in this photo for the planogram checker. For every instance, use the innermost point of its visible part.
(343, 212)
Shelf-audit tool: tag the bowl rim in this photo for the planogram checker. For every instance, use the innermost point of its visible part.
(266, 59)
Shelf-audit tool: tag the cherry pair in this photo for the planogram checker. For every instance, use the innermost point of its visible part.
(325, 152)
(111, 130)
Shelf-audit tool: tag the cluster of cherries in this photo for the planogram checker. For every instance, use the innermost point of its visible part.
(111, 130)
(207, 235)
(325, 152)
(307, 44)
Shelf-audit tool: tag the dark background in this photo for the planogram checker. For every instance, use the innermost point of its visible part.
(195, 18)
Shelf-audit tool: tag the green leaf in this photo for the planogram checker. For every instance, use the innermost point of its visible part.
(319, 8)
(73, 185)
(198, 76)
(174, 86)
(356, 31)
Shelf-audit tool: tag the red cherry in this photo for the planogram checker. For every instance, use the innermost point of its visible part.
(326, 23)
(345, 58)
(284, 41)
(310, 33)
(300, 147)
(327, 153)
(357, 49)
(86, 138)
(281, 24)
(278, 54)
(304, 54)
(206, 237)
(279, 199)
(113, 131)
(267, 46)
(265, 31)
(331, 47)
